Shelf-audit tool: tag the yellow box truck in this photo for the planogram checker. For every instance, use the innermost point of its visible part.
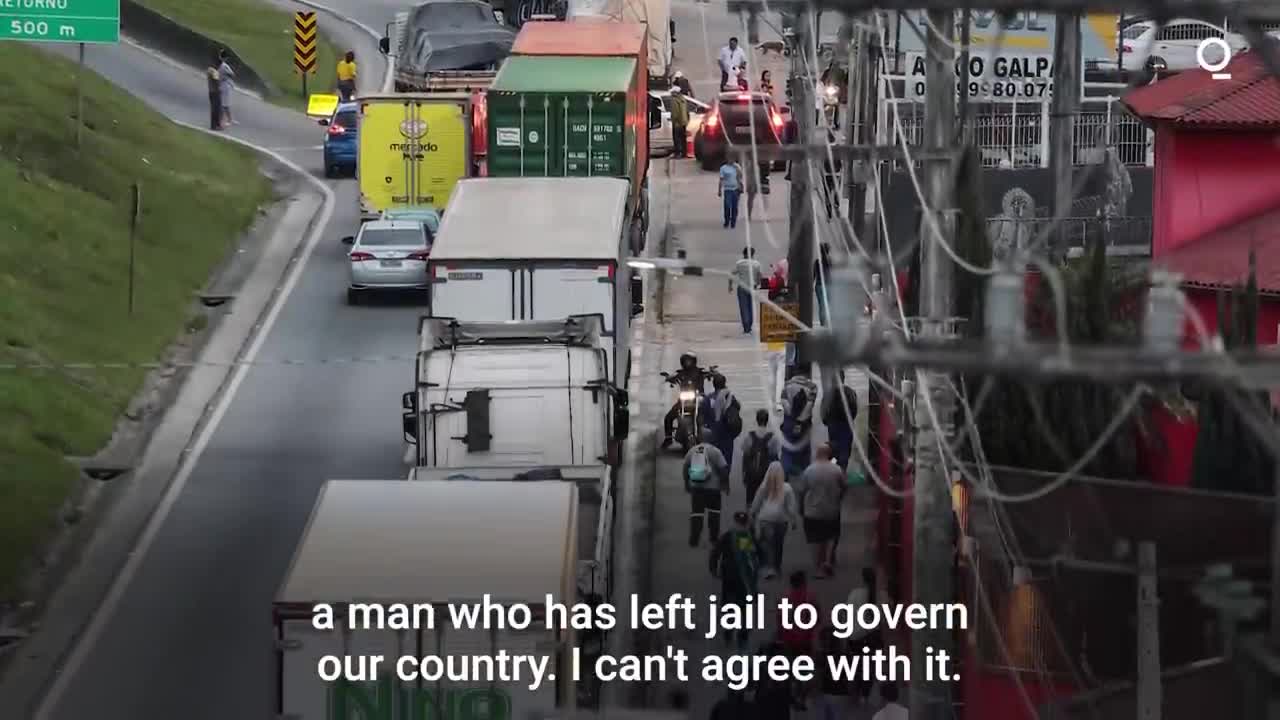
(414, 148)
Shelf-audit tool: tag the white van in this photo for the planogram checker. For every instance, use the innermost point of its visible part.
(391, 541)
(494, 394)
(538, 249)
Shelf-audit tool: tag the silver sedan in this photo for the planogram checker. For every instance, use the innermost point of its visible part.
(388, 255)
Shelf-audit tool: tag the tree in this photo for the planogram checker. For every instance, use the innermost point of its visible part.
(1229, 456)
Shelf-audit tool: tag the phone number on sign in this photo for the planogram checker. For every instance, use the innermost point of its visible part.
(1009, 90)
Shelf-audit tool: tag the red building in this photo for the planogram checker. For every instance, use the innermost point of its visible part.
(1217, 182)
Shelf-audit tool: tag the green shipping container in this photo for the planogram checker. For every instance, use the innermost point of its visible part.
(556, 116)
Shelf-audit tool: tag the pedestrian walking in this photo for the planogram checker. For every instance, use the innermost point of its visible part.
(732, 60)
(833, 692)
(747, 275)
(722, 415)
(225, 77)
(346, 73)
(215, 93)
(774, 511)
(798, 396)
(773, 698)
(706, 479)
(822, 494)
(864, 640)
(892, 710)
(679, 122)
(839, 411)
(735, 559)
(751, 174)
(758, 448)
(730, 188)
(799, 641)
(822, 271)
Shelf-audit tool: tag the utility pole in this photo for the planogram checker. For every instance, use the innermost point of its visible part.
(932, 528)
(1149, 691)
(800, 250)
(1065, 106)
(864, 77)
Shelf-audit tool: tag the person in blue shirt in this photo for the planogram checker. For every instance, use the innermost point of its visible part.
(730, 188)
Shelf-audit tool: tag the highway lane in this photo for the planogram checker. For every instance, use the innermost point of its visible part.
(191, 636)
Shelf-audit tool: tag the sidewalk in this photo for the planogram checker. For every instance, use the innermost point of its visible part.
(701, 316)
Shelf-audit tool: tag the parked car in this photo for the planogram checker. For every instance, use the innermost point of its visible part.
(388, 255)
(1172, 48)
(660, 137)
(341, 140)
(428, 216)
(729, 122)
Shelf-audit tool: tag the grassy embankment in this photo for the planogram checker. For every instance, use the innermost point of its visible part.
(64, 249)
(260, 34)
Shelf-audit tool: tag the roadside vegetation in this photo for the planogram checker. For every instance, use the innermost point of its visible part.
(64, 256)
(260, 34)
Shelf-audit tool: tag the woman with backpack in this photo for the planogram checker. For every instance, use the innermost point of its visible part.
(773, 512)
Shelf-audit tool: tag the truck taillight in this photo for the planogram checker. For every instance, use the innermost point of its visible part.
(360, 256)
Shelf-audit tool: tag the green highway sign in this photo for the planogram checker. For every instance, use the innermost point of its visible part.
(77, 21)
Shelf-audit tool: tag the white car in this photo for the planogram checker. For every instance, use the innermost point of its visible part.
(388, 255)
(660, 140)
(1173, 47)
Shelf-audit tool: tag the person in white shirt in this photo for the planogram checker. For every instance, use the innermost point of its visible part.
(746, 278)
(892, 709)
(732, 62)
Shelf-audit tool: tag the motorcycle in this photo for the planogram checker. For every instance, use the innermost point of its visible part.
(689, 417)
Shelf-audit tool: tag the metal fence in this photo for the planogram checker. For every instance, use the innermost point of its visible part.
(1128, 236)
(1013, 135)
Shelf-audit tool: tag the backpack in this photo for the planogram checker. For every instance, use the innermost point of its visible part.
(757, 458)
(733, 417)
(699, 466)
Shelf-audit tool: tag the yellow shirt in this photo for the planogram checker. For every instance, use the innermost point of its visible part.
(346, 70)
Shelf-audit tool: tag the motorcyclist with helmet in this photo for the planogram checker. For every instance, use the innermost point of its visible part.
(688, 374)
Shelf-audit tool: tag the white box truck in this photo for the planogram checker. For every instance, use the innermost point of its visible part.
(438, 541)
(513, 394)
(538, 249)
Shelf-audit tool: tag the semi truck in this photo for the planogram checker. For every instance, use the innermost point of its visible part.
(414, 148)
(565, 116)
(538, 249)
(432, 542)
(653, 15)
(503, 394)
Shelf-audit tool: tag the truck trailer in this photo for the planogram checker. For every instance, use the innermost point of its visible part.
(414, 148)
(432, 542)
(539, 249)
(503, 394)
(564, 116)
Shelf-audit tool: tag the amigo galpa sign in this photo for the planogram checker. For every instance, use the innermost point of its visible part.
(1004, 77)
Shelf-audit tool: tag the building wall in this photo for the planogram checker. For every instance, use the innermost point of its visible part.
(1206, 181)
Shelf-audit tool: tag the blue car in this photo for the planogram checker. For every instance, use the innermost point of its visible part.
(342, 140)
